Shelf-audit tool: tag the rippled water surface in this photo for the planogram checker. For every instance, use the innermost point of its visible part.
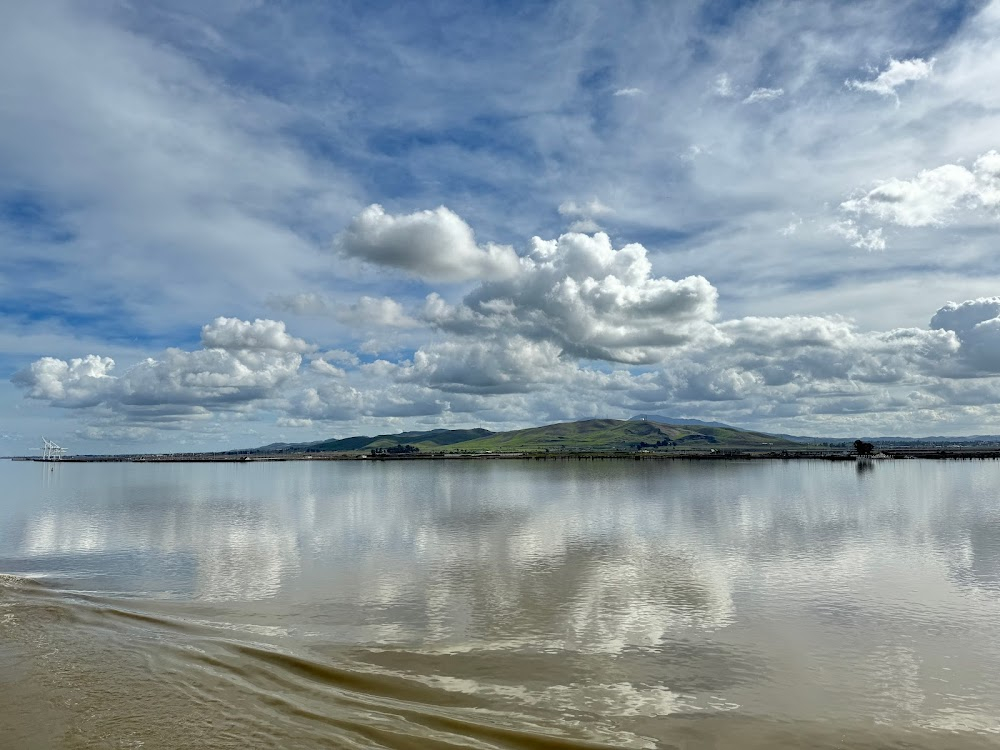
(487, 604)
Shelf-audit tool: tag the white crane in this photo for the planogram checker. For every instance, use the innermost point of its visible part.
(51, 451)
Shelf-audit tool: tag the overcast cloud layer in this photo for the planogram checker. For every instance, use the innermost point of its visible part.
(244, 223)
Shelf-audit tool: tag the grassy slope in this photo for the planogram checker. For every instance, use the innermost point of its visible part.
(609, 434)
(423, 440)
(590, 434)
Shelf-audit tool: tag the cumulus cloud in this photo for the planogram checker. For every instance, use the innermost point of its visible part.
(796, 366)
(435, 245)
(376, 311)
(763, 95)
(509, 360)
(242, 362)
(934, 196)
(78, 383)
(323, 367)
(792, 367)
(338, 401)
(240, 335)
(628, 92)
(895, 75)
(505, 365)
(590, 299)
(976, 323)
(341, 356)
(814, 348)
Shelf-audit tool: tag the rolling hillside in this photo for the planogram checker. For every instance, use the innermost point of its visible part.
(427, 440)
(586, 435)
(613, 434)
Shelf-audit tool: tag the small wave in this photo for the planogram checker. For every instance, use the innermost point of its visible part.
(9, 581)
(168, 674)
(132, 670)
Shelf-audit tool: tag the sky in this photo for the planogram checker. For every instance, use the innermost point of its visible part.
(234, 223)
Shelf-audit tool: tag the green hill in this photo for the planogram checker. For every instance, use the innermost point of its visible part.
(616, 434)
(586, 435)
(427, 440)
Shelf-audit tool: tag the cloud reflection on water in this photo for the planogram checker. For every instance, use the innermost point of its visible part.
(693, 578)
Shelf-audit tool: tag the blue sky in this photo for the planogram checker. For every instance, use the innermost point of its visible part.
(231, 223)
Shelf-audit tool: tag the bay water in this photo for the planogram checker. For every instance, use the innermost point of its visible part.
(500, 604)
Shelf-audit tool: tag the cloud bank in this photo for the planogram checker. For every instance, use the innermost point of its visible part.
(580, 328)
(242, 363)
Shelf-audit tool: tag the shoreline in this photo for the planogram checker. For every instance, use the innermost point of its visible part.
(906, 453)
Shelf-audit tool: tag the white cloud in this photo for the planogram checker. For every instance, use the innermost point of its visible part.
(382, 312)
(723, 86)
(977, 325)
(339, 401)
(261, 335)
(586, 214)
(496, 366)
(934, 196)
(806, 368)
(791, 228)
(823, 348)
(763, 95)
(585, 226)
(870, 239)
(587, 209)
(341, 356)
(323, 367)
(592, 300)
(436, 245)
(242, 363)
(796, 367)
(78, 383)
(511, 363)
(895, 75)
(294, 423)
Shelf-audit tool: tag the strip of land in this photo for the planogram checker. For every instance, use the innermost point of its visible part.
(641, 438)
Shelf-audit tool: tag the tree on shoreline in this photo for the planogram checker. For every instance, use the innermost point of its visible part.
(862, 448)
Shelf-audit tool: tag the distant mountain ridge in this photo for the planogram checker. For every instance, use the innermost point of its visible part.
(895, 439)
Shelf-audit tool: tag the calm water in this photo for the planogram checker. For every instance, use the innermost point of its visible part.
(500, 605)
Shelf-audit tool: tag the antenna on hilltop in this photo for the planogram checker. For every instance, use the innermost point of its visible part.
(51, 451)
